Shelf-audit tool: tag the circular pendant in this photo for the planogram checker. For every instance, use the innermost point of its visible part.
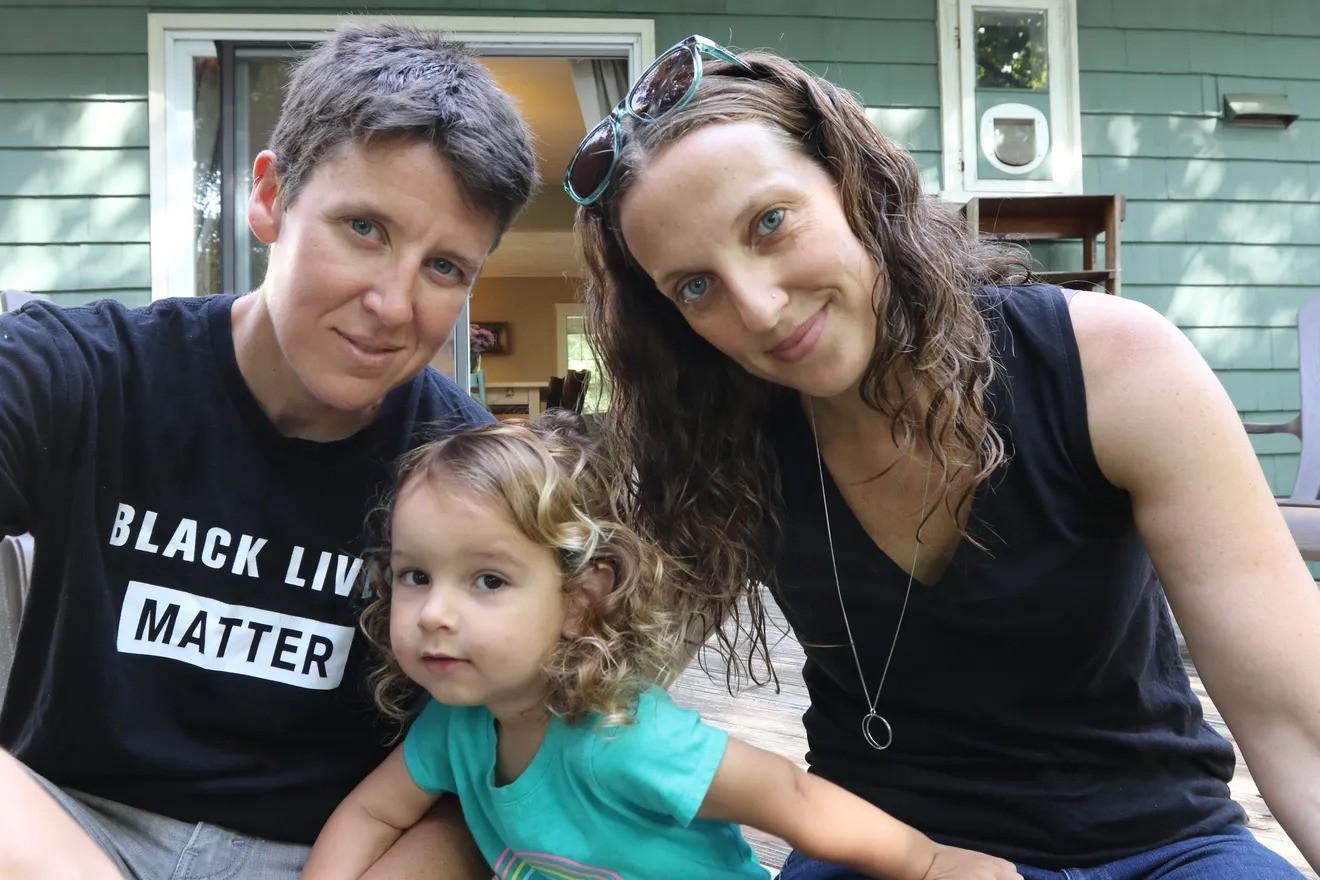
(887, 733)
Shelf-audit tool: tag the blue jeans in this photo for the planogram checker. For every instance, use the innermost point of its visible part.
(1233, 855)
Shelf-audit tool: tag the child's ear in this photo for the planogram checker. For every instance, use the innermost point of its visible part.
(588, 588)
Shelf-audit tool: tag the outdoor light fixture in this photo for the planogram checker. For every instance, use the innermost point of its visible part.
(1261, 111)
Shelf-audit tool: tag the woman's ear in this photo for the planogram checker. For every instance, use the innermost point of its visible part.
(264, 208)
(587, 589)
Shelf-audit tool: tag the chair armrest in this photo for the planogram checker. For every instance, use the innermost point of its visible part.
(1293, 426)
(12, 299)
(1303, 519)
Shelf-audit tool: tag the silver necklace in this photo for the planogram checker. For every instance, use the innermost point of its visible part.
(872, 716)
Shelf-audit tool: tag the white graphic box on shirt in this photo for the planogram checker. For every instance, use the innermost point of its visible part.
(232, 638)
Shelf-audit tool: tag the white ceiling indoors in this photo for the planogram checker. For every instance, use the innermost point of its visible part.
(541, 243)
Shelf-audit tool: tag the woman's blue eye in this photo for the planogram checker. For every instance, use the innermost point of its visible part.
(446, 268)
(489, 582)
(364, 228)
(694, 289)
(770, 221)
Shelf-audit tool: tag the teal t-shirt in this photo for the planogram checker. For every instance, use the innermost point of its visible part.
(596, 803)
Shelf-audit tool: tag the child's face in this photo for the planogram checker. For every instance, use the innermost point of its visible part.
(369, 268)
(477, 607)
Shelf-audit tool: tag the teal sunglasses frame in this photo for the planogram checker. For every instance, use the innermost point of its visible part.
(639, 104)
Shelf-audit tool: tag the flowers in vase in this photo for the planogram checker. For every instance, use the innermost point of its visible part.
(480, 340)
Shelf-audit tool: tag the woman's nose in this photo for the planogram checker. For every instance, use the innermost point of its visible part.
(758, 302)
(390, 298)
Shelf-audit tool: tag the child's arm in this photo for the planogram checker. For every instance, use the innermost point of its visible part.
(368, 822)
(821, 820)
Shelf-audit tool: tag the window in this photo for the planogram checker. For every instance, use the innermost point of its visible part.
(241, 85)
(575, 354)
(1011, 118)
(216, 83)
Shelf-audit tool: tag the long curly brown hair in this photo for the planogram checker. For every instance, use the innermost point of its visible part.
(549, 479)
(688, 425)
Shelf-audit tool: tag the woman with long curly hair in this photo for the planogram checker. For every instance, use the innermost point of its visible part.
(542, 630)
(958, 485)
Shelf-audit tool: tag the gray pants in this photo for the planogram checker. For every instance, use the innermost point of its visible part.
(147, 846)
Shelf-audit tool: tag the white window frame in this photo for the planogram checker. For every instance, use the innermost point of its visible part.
(564, 311)
(959, 126)
(175, 39)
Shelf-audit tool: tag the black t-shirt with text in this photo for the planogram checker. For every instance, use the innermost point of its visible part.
(189, 643)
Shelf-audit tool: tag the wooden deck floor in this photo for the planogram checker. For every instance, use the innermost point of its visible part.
(773, 721)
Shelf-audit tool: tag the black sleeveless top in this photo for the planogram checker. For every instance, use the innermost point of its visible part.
(1039, 706)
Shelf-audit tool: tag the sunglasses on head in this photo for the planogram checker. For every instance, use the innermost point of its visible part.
(667, 85)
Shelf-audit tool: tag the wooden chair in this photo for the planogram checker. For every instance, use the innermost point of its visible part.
(1301, 508)
(554, 392)
(1306, 425)
(576, 383)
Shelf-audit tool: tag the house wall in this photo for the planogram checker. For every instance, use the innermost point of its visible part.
(74, 190)
(1223, 226)
(1223, 223)
(74, 212)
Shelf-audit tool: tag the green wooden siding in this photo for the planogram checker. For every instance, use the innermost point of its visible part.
(1223, 226)
(74, 182)
(74, 185)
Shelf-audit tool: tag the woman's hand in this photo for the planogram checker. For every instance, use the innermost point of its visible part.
(952, 863)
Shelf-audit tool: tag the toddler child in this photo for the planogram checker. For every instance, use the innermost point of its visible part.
(540, 627)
